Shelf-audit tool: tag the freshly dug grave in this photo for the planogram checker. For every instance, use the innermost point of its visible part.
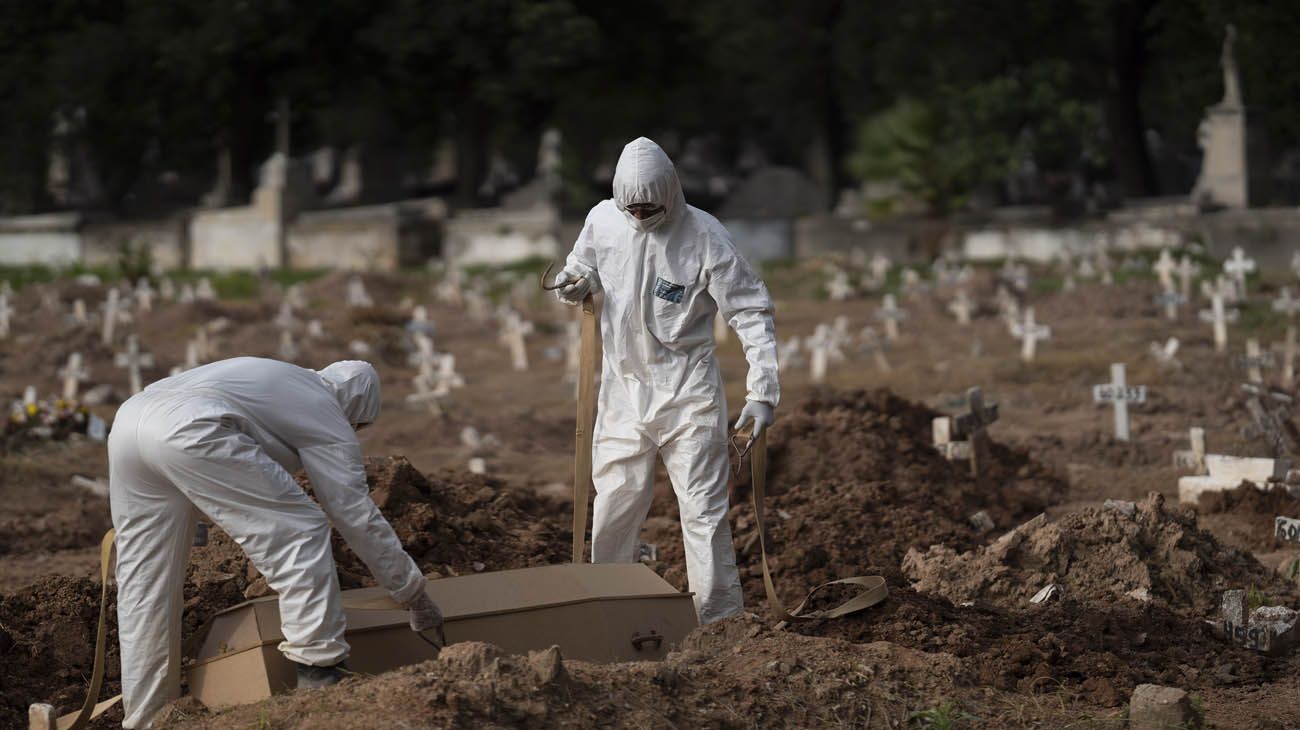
(1156, 554)
(737, 673)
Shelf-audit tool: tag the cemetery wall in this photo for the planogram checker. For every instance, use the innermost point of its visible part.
(500, 236)
(51, 239)
(235, 238)
(899, 240)
(763, 240)
(378, 238)
(167, 241)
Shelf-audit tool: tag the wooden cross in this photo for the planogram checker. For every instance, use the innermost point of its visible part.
(133, 359)
(1238, 266)
(1218, 316)
(144, 294)
(973, 425)
(1255, 360)
(513, 331)
(891, 314)
(6, 311)
(73, 374)
(1272, 425)
(874, 346)
(961, 307)
(1119, 394)
(1030, 332)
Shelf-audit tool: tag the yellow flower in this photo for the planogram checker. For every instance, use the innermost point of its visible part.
(32, 409)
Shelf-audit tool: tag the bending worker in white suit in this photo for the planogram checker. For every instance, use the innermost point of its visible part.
(666, 269)
(225, 438)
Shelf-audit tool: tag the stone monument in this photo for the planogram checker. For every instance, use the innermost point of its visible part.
(1234, 168)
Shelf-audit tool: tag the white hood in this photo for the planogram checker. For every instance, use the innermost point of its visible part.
(356, 386)
(645, 175)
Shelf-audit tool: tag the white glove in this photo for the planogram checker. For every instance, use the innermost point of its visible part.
(758, 412)
(425, 614)
(576, 288)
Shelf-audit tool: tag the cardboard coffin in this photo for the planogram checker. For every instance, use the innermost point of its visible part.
(602, 613)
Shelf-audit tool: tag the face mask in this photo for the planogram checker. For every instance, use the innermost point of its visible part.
(647, 224)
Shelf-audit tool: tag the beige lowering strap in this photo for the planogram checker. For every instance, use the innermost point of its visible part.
(873, 586)
(585, 424)
(89, 709)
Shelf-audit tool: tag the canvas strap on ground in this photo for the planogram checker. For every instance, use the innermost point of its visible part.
(90, 709)
(873, 587)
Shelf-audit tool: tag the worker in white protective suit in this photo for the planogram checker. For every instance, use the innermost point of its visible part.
(666, 269)
(225, 438)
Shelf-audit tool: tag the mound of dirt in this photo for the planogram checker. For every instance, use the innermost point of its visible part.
(855, 483)
(51, 626)
(1250, 500)
(1155, 555)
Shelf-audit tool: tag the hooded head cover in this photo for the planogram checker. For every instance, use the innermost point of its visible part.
(645, 175)
(356, 386)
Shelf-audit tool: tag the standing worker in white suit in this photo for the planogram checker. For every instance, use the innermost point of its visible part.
(666, 269)
(225, 438)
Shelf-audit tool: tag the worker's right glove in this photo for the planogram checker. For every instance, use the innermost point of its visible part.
(425, 615)
(758, 412)
(576, 287)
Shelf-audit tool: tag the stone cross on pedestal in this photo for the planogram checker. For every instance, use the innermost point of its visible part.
(1029, 332)
(144, 294)
(973, 425)
(1219, 316)
(133, 359)
(891, 315)
(513, 331)
(1237, 267)
(961, 307)
(874, 346)
(6, 311)
(1119, 394)
(1186, 270)
(357, 294)
(111, 306)
(73, 374)
(1255, 360)
(204, 291)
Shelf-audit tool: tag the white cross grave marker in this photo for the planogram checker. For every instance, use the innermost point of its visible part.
(446, 378)
(513, 331)
(1167, 353)
(357, 294)
(1238, 266)
(1164, 268)
(821, 346)
(288, 349)
(788, 354)
(110, 316)
(144, 294)
(891, 314)
(420, 321)
(1186, 270)
(284, 318)
(961, 307)
(839, 288)
(73, 374)
(6, 311)
(1255, 361)
(167, 289)
(873, 345)
(1119, 394)
(1029, 332)
(133, 359)
(1218, 316)
(204, 291)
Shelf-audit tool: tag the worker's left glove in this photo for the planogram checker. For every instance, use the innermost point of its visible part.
(758, 412)
(425, 614)
(574, 287)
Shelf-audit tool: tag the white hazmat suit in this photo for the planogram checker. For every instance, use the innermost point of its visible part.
(664, 278)
(225, 438)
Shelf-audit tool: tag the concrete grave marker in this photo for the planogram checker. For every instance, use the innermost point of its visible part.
(73, 374)
(1164, 268)
(961, 306)
(891, 315)
(1029, 332)
(513, 331)
(1268, 629)
(821, 347)
(1186, 270)
(1219, 316)
(1286, 528)
(133, 359)
(1119, 394)
(111, 306)
(974, 426)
